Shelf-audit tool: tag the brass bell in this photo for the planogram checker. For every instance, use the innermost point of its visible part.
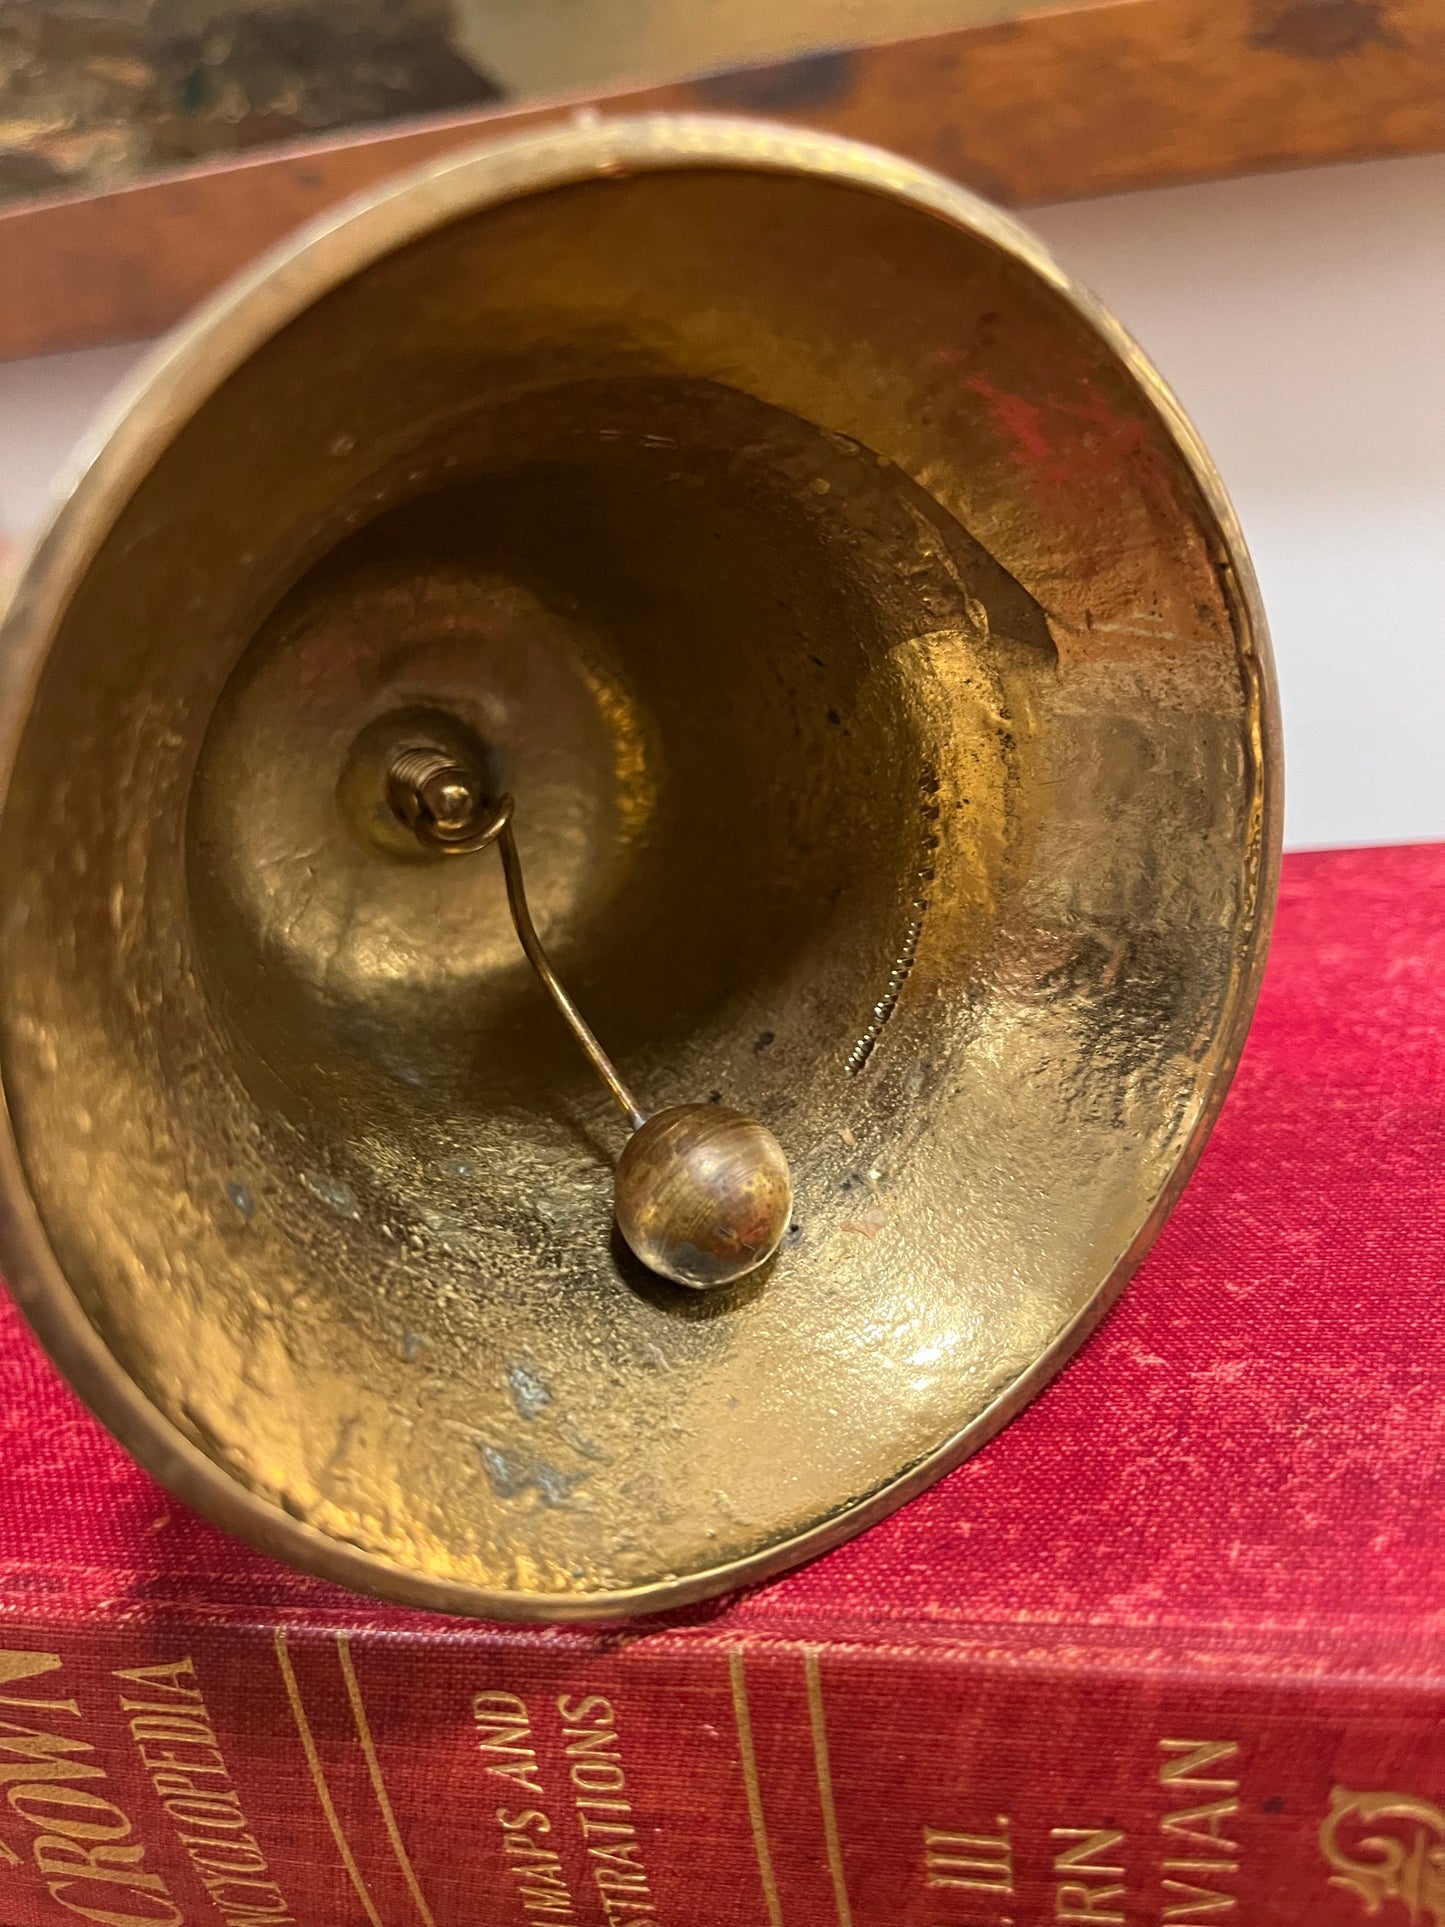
(830, 611)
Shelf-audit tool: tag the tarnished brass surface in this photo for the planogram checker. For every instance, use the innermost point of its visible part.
(876, 665)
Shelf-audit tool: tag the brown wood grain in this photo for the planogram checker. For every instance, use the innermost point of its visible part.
(1133, 93)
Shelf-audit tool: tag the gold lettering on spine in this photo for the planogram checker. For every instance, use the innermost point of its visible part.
(26, 1665)
(979, 1863)
(1093, 1887)
(743, 1720)
(1198, 1853)
(77, 1848)
(822, 1767)
(504, 1737)
(1387, 1849)
(318, 1778)
(504, 1734)
(378, 1784)
(1185, 1760)
(592, 1747)
(208, 1819)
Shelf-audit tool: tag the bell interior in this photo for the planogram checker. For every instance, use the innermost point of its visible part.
(668, 619)
(861, 651)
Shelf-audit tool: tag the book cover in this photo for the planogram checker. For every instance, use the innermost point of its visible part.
(1168, 1650)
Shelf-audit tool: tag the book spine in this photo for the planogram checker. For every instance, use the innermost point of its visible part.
(171, 1775)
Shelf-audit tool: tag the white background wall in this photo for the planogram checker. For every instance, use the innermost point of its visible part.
(1301, 319)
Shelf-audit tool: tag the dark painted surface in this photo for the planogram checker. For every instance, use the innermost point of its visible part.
(1323, 29)
(92, 97)
(813, 80)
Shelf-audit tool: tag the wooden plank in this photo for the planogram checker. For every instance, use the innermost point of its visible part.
(1133, 93)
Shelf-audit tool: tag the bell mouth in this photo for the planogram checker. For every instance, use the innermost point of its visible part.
(874, 665)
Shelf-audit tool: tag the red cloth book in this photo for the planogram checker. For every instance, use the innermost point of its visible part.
(1168, 1650)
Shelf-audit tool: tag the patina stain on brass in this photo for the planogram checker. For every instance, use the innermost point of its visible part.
(872, 656)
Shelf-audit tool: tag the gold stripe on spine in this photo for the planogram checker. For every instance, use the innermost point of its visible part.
(825, 1786)
(742, 1716)
(323, 1792)
(373, 1767)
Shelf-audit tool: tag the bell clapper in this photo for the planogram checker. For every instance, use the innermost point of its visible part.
(703, 1194)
